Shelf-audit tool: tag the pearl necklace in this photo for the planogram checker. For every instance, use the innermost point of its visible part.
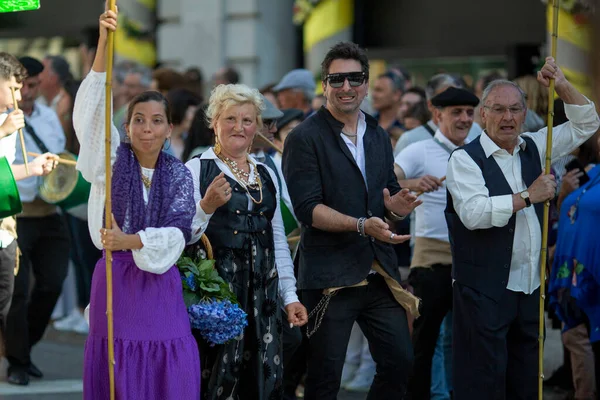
(242, 175)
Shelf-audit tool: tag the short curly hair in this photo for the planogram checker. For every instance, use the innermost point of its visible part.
(10, 66)
(224, 96)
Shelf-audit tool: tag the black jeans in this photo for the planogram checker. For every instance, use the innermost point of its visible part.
(8, 261)
(434, 287)
(495, 345)
(44, 243)
(384, 323)
(85, 255)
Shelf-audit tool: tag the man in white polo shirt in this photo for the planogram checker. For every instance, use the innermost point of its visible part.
(420, 167)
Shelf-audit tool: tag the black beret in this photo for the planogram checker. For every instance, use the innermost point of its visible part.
(289, 115)
(33, 66)
(455, 97)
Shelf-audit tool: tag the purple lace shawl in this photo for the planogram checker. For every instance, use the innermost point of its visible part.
(170, 200)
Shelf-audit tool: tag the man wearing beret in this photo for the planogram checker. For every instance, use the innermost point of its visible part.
(494, 213)
(42, 237)
(420, 167)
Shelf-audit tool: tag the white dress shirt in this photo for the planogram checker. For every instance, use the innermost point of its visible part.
(283, 259)
(49, 130)
(422, 158)
(161, 246)
(358, 150)
(477, 210)
(421, 133)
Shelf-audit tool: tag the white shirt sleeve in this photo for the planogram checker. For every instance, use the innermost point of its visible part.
(162, 248)
(88, 121)
(583, 123)
(283, 259)
(201, 219)
(411, 159)
(472, 201)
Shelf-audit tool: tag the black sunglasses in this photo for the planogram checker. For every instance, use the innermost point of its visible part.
(354, 79)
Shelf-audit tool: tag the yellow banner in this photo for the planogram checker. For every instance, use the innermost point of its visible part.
(328, 18)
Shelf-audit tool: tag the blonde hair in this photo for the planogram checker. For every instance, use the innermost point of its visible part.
(224, 96)
(537, 96)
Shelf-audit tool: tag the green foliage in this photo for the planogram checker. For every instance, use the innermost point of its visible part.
(202, 282)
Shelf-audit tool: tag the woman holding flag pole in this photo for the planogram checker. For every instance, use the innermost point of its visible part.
(148, 217)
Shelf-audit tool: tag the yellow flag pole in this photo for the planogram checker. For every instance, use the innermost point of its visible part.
(110, 47)
(544, 253)
(16, 106)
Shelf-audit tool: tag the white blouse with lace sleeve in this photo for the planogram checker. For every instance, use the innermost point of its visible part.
(161, 246)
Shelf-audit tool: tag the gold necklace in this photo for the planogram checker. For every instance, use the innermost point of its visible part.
(145, 180)
(255, 184)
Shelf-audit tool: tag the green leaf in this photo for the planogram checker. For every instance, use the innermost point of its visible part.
(579, 268)
(190, 298)
(209, 287)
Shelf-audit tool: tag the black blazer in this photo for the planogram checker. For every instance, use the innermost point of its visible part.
(319, 169)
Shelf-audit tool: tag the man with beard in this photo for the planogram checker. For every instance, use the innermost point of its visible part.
(42, 237)
(419, 167)
(339, 167)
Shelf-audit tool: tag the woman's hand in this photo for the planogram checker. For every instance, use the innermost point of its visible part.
(107, 22)
(296, 314)
(217, 194)
(114, 239)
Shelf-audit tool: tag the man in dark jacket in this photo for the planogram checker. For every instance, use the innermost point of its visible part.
(340, 173)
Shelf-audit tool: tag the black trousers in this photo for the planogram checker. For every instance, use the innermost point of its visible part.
(44, 244)
(384, 323)
(495, 345)
(8, 261)
(434, 287)
(85, 255)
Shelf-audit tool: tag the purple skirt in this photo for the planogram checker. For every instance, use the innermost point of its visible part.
(156, 356)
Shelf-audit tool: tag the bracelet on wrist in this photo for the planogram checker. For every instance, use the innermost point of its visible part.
(395, 217)
(361, 226)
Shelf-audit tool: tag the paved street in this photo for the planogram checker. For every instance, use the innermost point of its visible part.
(60, 357)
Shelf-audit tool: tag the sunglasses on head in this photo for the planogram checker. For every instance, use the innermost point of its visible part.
(354, 79)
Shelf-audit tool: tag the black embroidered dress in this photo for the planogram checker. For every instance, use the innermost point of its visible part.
(249, 367)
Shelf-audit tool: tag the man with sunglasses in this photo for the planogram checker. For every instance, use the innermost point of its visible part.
(339, 166)
(496, 237)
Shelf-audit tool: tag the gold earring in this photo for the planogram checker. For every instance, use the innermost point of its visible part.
(217, 148)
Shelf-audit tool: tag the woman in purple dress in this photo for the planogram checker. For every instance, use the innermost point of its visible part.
(156, 356)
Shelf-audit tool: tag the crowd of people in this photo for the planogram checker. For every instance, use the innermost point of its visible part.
(381, 237)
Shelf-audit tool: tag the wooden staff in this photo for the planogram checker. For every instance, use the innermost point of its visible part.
(16, 106)
(273, 145)
(60, 160)
(110, 48)
(544, 251)
(442, 179)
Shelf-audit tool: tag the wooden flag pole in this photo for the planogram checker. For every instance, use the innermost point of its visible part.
(16, 106)
(544, 252)
(110, 48)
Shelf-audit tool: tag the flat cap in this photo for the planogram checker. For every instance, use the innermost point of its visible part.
(270, 111)
(34, 67)
(296, 79)
(455, 97)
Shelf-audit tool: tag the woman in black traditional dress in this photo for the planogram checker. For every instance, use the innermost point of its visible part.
(238, 209)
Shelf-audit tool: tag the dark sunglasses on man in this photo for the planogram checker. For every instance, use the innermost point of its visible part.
(354, 79)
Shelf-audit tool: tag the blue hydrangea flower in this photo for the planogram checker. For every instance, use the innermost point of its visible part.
(190, 281)
(218, 321)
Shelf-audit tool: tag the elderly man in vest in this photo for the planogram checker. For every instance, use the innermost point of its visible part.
(496, 236)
